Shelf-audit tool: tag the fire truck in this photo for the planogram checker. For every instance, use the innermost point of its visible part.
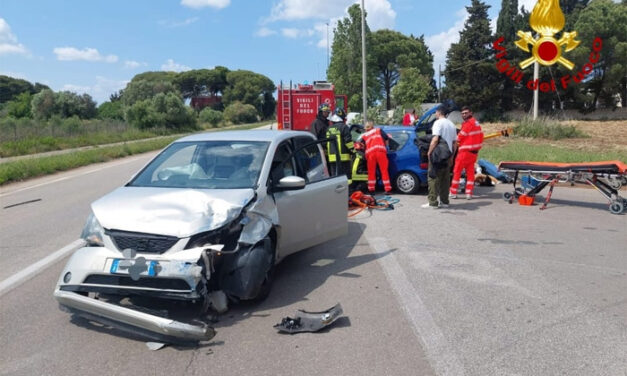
(297, 107)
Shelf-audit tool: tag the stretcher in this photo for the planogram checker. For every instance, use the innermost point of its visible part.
(606, 177)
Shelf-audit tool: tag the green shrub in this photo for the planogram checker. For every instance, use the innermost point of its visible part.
(546, 128)
(239, 113)
(111, 110)
(211, 116)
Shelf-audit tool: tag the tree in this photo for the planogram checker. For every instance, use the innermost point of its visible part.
(197, 82)
(345, 68)
(607, 82)
(162, 110)
(470, 72)
(20, 107)
(250, 88)
(240, 113)
(211, 116)
(141, 89)
(507, 25)
(43, 104)
(392, 51)
(412, 88)
(12, 87)
(111, 110)
(68, 104)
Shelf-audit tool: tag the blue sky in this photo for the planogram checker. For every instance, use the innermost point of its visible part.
(96, 47)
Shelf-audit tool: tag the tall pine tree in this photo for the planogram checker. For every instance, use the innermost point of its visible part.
(470, 72)
(508, 23)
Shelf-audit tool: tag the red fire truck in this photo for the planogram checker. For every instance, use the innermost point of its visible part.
(297, 107)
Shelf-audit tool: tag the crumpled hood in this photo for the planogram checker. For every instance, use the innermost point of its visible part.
(170, 211)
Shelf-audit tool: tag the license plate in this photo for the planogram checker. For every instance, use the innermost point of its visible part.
(117, 269)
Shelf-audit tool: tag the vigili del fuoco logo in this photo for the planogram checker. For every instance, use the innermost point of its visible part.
(547, 20)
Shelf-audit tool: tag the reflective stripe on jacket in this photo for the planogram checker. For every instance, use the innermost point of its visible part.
(374, 141)
(343, 142)
(470, 137)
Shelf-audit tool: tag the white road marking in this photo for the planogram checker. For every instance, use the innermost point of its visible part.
(441, 355)
(32, 270)
(74, 175)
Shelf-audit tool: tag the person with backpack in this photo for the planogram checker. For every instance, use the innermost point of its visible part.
(440, 154)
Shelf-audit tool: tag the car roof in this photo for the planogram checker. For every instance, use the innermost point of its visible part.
(245, 135)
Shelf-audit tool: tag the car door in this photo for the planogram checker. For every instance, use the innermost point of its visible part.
(315, 213)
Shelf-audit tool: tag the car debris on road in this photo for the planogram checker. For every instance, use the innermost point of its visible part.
(305, 321)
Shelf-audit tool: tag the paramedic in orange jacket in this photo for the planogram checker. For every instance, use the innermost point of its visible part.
(376, 154)
(470, 140)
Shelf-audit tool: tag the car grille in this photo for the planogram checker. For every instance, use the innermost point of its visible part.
(142, 243)
(124, 281)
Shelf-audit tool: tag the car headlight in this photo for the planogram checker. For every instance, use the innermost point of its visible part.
(93, 232)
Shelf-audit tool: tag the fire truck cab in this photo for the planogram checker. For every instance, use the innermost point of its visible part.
(297, 107)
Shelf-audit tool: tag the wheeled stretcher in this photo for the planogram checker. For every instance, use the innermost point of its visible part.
(606, 177)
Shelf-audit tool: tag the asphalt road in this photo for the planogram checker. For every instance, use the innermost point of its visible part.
(482, 288)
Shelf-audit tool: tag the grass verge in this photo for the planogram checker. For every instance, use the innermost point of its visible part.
(33, 167)
(518, 150)
(546, 128)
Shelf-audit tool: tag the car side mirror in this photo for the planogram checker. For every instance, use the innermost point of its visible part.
(290, 183)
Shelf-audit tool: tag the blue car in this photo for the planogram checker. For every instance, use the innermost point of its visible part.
(407, 173)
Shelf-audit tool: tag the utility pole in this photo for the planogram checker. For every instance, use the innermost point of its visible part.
(363, 63)
(536, 74)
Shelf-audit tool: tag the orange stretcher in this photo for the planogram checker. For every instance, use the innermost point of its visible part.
(607, 177)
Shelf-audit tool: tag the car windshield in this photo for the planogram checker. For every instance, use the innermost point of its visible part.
(205, 165)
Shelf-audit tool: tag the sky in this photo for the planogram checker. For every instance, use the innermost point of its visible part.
(97, 46)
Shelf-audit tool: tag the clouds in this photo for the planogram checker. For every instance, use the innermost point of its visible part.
(380, 15)
(100, 90)
(86, 54)
(8, 41)
(171, 66)
(197, 4)
(132, 64)
(440, 43)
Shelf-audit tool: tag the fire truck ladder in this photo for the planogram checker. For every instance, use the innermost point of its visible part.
(286, 106)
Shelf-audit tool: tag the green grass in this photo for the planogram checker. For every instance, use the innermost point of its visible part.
(546, 128)
(519, 150)
(33, 167)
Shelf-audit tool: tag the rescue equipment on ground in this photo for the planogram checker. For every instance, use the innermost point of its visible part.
(305, 321)
(359, 201)
(606, 177)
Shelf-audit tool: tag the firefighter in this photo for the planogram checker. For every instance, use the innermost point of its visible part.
(376, 154)
(470, 140)
(320, 124)
(342, 145)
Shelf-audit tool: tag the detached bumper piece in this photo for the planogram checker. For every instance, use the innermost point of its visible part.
(305, 321)
(130, 320)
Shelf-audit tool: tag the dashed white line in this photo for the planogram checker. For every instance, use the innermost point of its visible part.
(32, 270)
(441, 355)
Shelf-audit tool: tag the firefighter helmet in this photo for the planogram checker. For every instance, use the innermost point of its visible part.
(324, 108)
(340, 112)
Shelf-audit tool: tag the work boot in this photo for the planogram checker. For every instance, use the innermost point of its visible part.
(427, 206)
(452, 196)
(468, 197)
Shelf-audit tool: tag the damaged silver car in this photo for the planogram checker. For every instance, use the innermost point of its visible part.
(206, 221)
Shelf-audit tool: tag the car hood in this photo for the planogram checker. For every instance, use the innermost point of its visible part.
(170, 211)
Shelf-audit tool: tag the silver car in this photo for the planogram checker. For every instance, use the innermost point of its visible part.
(206, 220)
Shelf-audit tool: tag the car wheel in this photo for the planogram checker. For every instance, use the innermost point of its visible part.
(266, 285)
(407, 182)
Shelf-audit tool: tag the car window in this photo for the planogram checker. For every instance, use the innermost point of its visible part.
(282, 164)
(205, 164)
(310, 160)
(398, 139)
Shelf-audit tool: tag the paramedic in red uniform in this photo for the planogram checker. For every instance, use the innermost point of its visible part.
(470, 140)
(376, 154)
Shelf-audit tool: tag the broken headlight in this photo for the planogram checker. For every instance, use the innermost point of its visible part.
(93, 232)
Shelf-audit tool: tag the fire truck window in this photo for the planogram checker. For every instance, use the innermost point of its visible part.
(310, 160)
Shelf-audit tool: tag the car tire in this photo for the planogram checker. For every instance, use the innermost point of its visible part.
(407, 182)
(266, 286)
